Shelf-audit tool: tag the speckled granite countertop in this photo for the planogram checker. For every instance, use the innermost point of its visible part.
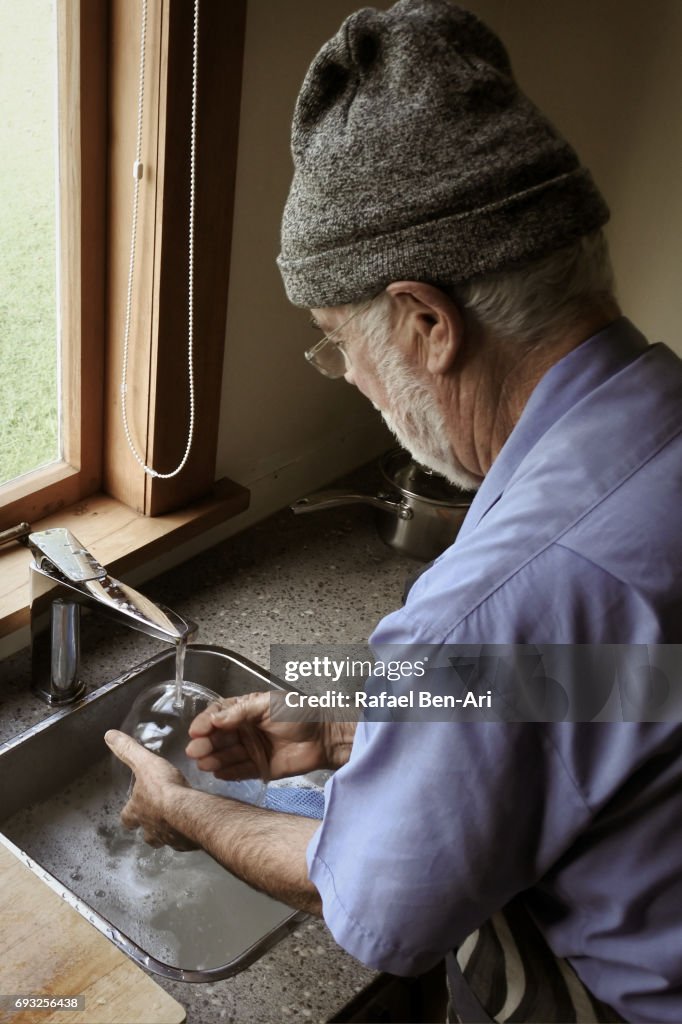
(324, 577)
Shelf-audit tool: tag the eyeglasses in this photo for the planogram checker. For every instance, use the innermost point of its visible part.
(328, 354)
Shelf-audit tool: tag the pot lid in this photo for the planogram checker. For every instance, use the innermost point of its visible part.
(415, 480)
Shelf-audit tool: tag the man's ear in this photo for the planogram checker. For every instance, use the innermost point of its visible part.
(433, 320)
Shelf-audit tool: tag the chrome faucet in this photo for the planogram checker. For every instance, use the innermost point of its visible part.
(64, 576)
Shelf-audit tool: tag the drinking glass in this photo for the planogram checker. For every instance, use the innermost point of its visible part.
(160, 722)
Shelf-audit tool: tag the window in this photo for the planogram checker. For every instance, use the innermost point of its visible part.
(97, 67)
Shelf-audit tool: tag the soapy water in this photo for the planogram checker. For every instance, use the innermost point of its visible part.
(182, 908)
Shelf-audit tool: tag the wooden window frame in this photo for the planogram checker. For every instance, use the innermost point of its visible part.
(157, 395)
(98, 63)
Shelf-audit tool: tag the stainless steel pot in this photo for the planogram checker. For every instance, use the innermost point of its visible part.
(419, 513)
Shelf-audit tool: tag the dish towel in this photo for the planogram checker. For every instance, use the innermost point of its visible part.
(306, 800)
(298, 794)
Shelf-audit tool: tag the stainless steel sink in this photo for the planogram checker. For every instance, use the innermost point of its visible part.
(179, 915)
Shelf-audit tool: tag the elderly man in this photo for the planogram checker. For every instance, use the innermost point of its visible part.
(449, 243)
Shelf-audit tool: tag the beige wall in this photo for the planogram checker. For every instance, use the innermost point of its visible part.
(608, 73)
(284, 428)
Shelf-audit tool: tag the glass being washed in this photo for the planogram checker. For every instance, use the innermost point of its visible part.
(160, 718)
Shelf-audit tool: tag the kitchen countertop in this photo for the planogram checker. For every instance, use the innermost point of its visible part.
(323, 577)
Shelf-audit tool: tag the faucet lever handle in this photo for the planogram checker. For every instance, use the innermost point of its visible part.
(60, 548)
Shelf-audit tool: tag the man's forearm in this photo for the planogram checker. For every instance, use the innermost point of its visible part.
(265, 849)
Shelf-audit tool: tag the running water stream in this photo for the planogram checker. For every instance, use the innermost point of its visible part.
(180, 651)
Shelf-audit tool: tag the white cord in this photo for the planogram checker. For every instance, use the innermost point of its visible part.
(138, 171)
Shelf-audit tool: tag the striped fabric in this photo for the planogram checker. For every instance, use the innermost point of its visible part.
(506, 972)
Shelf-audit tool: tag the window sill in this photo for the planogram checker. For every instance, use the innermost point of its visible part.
(118, 537)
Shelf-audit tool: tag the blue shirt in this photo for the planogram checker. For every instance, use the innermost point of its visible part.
(574, 537)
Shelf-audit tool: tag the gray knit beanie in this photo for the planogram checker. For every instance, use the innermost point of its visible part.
(417, 157)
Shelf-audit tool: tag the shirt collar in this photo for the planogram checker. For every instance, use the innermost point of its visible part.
(569, 380)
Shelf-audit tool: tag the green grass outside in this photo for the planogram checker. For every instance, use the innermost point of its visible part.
(28, 320)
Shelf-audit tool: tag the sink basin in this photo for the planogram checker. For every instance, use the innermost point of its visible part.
(178, 914)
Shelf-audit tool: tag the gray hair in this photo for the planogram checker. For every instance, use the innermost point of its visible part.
(535, 303)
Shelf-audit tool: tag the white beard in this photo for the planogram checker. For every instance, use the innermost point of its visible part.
(417, 421)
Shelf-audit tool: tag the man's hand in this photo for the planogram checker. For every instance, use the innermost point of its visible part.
(265, 849)
(239, 739)
(155, 781)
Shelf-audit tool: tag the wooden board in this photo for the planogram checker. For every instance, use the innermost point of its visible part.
(47, 948)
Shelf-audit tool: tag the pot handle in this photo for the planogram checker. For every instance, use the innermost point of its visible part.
(332, 499)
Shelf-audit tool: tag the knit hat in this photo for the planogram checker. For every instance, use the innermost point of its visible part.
(417, 157)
